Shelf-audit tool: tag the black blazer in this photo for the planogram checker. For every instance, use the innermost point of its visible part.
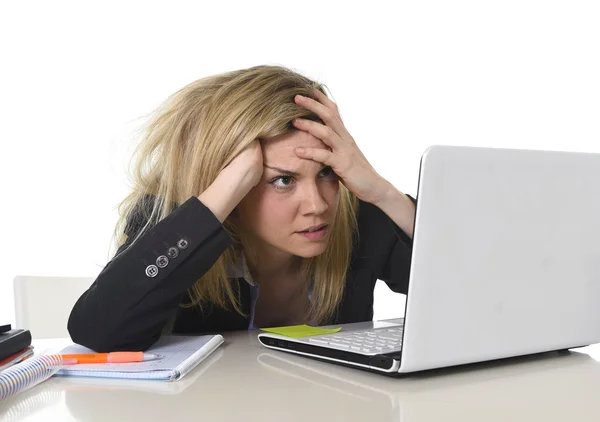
(132, 299)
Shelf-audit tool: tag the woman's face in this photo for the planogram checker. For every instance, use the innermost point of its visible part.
(293, 195)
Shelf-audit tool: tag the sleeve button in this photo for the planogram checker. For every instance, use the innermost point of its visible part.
(162, 261)
(173, 252)
(151, 271)
(182, 244)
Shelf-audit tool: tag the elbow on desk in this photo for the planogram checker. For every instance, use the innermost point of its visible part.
(86, 332)
(91, 330)
(92, 338)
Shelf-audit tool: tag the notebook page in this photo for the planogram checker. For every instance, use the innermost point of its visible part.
(137, 381)
(173, 350)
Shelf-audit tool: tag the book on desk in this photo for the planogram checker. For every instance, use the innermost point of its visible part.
(15, 345)
(179, 355)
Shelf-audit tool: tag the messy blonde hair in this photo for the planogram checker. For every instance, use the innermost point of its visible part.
(194, 135)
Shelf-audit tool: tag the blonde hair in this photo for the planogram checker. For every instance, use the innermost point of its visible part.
(194, 135)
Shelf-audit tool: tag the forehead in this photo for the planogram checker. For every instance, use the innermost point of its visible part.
(284, 145)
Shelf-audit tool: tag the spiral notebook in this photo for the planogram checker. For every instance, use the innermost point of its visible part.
(179, 355)
(27, 374)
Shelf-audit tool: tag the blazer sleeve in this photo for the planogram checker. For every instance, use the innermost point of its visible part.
(132, 298)
(384, 246)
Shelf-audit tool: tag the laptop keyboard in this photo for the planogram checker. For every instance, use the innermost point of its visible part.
(369, 342)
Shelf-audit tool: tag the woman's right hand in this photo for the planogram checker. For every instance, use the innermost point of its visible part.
(234, 181)
(247, 166)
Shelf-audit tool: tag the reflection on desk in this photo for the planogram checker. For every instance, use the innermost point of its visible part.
(29, 403)
(245, 381)
(552, 386)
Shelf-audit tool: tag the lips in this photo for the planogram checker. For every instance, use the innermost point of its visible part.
(313, 228)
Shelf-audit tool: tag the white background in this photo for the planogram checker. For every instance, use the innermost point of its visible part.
(77, 78)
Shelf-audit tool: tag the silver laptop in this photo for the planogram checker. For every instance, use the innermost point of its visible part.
(505, 263)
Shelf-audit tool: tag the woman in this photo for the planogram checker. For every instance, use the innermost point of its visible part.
(252, 207)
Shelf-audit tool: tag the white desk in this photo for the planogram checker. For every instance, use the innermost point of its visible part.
(243, 381)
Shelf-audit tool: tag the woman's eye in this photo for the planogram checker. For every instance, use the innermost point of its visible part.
(284, 181)
(327, 171)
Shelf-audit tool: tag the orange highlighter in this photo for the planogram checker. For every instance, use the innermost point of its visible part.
(112, 357)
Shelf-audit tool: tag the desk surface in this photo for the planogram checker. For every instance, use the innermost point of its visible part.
(244, 381)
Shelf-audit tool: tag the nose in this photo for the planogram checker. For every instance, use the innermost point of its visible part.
(312, 201)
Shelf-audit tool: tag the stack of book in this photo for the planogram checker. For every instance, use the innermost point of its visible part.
(15, 345)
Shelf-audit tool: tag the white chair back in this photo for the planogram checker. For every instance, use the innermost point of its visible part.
(43, 304)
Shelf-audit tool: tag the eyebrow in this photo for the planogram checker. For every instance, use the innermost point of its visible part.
(288, 172)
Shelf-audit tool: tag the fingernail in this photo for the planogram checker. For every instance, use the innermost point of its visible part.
(300, 150)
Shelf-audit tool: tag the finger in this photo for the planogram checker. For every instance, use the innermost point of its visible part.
(317, 154)
(329, 116)
(318, 130)
(324, 99)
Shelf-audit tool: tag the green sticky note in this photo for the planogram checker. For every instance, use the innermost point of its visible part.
(298, 331)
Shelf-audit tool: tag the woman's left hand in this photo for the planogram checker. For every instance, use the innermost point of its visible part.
(345, 158)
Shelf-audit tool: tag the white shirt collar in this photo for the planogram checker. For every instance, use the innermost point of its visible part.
(240, 270)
